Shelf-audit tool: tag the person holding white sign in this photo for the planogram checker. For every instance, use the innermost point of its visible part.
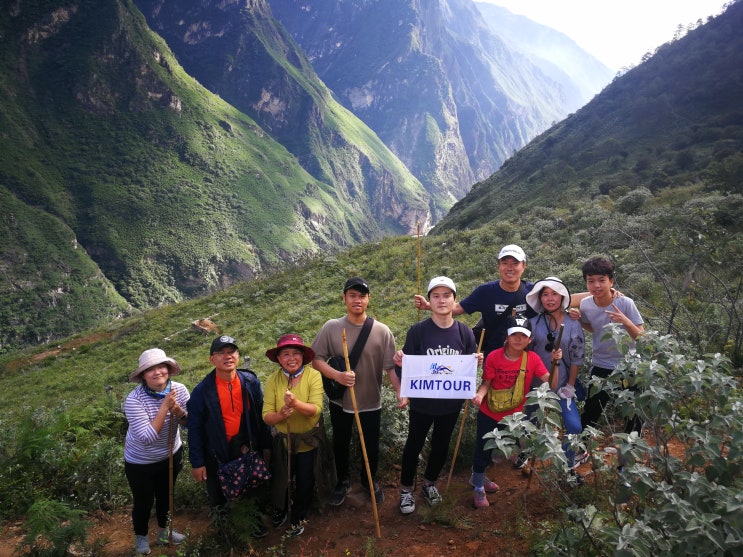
(433, 346)
(506, 379)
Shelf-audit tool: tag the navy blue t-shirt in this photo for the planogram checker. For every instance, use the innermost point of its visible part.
(427, 338)
(492, 302)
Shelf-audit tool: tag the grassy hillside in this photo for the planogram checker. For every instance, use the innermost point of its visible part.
(164, 190)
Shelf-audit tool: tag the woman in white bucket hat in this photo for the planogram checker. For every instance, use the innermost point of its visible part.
(550, 299)
(154, 410)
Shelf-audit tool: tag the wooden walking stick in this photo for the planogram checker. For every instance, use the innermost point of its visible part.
(361, 439)
(554, 375)
(419, 266)
(461, 425)
(171, 442)
(289, 473)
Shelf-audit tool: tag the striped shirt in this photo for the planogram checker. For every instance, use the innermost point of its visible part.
(143, 445)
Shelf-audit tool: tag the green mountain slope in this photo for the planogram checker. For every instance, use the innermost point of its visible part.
(668, 122)
(167, 190)
(241, 53)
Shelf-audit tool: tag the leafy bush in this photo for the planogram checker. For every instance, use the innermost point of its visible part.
(681, 489)
(52, 528)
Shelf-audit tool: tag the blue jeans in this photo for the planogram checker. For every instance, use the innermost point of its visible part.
(571, 422)
(481, 457)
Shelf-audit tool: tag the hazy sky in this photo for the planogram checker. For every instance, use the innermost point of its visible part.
(618, 32)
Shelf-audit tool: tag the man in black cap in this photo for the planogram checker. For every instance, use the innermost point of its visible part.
(365, 377)
(218, 430)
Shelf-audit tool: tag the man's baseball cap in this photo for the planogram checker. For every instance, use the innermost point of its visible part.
(357, 283)
(441, 281)
(512, 250)
(220, 342)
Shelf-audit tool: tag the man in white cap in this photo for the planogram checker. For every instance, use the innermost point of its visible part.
(496, 300)
(440, 334)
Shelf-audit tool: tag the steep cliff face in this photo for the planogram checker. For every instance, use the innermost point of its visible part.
(238, 51)
(126, 184)
(444, 93)
(580, 74)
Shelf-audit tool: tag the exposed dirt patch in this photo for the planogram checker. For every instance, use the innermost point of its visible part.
(454, 528)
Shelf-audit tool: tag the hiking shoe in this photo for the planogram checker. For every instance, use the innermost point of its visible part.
(163, 537)
(520, 461)
(580, 459)
(278, 518)
(295, 530)
(378, 493)
(407, 502)
(339, 493)
(574, 479)
(623, 481)
(142, 545)
(431, 495)
(489, 486)
(480, 499)
(259, 530)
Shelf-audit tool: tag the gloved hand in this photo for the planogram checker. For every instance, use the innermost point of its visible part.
(567, 392)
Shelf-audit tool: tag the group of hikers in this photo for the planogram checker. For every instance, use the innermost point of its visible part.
(533, 333)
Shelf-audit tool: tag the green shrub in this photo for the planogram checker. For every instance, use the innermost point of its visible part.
(665, 502)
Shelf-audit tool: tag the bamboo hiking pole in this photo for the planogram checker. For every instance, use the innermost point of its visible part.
(361, 439)
(461, 425)
(170, 477)
(554, 375)
(288, 473)
(419, 266)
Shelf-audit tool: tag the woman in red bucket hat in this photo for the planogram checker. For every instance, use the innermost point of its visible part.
(293, 406)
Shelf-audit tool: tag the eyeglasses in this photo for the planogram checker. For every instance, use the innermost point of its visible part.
(550, 342)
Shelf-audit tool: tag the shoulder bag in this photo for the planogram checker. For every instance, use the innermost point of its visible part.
(332, 388)
(502, 400)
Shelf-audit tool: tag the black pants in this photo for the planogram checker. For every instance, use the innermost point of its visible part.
(596, 402)
(149, 483)
(418, 427)
(342, 423)
(303, 471)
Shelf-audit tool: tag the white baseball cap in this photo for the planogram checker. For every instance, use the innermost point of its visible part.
(441, 281)
(512, 250)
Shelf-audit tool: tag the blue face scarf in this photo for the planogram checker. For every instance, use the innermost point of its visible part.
(291, 376)
(155, 394)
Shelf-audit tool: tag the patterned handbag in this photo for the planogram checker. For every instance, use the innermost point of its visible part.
(239, 476)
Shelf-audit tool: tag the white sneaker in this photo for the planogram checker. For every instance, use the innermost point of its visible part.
(142, 545)
(431, 495)
(407, 502)
(163, 537)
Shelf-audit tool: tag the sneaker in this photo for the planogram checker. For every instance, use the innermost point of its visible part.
(142, 545)
(278, 518)
(295, 530)
(480, 499)
(378, 493)
(163, 537)
(259, 530)
(580, 459)
(574, 479)
(339, 493)
(407, 502)
(431, 495)
(489, 486)
(520, 461)
(623, 481)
